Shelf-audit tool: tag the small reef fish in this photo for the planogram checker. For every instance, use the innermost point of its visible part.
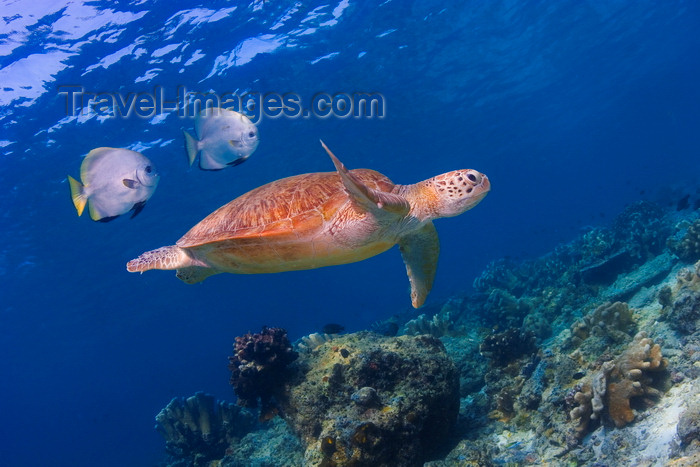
(114, 182)
(333, 328)
(224, 138)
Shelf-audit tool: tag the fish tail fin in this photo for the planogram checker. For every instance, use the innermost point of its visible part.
(192, 146)
(77, 194)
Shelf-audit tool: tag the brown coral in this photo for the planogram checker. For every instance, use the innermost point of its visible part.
(629, 376)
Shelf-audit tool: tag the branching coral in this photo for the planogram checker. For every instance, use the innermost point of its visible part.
(613, 387)
(199, 429)
(258, 366)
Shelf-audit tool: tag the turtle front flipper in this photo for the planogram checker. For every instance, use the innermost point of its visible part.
(420, 251)
(365, 196)
(166, 257)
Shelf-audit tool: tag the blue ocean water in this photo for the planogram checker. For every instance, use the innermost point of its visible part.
(573, 109)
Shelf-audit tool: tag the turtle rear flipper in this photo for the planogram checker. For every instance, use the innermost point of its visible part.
(166, 258)
(194, 274)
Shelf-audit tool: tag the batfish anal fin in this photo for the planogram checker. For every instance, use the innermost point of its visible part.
(420, 251)
(138, 207)
(365, 196)
(96, 213)
(129, 183)
(208, 162)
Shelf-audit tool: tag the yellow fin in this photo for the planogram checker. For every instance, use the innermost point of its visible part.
(191, 146)
(77, 194)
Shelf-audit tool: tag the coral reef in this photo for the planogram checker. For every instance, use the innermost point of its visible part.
(504, 347)
(608, 323)
(499, 274)
(470, 364)
(440, 325)
(626, 285)
(687, 248)
(274, 446)
(506, 309)
(641, 229)
(632, 375)
(258, 367)
(200, 429)
(312, 341)
(364, 399)
(538, 366)
(606, 270)
(682, 306)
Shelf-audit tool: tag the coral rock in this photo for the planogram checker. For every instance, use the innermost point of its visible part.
(391, 401)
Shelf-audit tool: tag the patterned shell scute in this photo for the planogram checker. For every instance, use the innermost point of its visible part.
(289, 206)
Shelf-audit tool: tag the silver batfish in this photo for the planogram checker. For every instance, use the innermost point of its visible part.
(224, 138)
(114, 182)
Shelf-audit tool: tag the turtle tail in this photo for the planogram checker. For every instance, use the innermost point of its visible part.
(167, 257)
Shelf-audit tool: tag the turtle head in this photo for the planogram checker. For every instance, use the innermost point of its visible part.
(457, 191)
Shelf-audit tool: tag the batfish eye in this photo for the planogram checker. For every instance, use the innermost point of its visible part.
(148, 169)
(251, 134)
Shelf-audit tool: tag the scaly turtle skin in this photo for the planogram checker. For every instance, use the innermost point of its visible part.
(323, 219)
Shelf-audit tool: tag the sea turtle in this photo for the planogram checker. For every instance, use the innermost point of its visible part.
(321, 219)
